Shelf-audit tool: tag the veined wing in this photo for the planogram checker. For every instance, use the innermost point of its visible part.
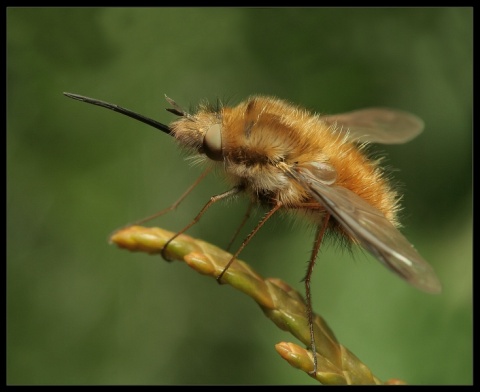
(377, 125)
(370, 228)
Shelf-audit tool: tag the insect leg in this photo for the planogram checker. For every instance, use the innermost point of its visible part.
(242, 223)
(212, 200)
(267, 216)
(311, 264)
(172, 207)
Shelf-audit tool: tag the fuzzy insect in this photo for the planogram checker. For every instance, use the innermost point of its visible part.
(286, 158)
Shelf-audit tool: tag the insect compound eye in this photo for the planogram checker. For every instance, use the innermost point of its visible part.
(212, 142)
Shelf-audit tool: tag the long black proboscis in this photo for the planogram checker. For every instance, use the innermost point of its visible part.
(119, 109)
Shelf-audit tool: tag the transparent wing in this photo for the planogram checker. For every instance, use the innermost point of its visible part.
(377, 125)
(371, 228)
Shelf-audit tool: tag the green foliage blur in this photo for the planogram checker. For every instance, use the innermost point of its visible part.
(80, 311)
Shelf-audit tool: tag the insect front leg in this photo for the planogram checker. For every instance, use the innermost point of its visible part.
(232, 192)
(170, 208)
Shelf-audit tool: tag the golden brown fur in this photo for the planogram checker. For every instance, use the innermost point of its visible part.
(263, 138)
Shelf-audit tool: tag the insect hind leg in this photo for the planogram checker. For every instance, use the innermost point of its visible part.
(311, 264)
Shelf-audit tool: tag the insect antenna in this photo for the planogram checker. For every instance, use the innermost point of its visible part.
(177, 109)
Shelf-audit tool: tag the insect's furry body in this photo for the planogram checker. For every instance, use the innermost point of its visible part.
(264, 139)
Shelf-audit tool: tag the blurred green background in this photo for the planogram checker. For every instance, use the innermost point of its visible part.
(80, 311)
